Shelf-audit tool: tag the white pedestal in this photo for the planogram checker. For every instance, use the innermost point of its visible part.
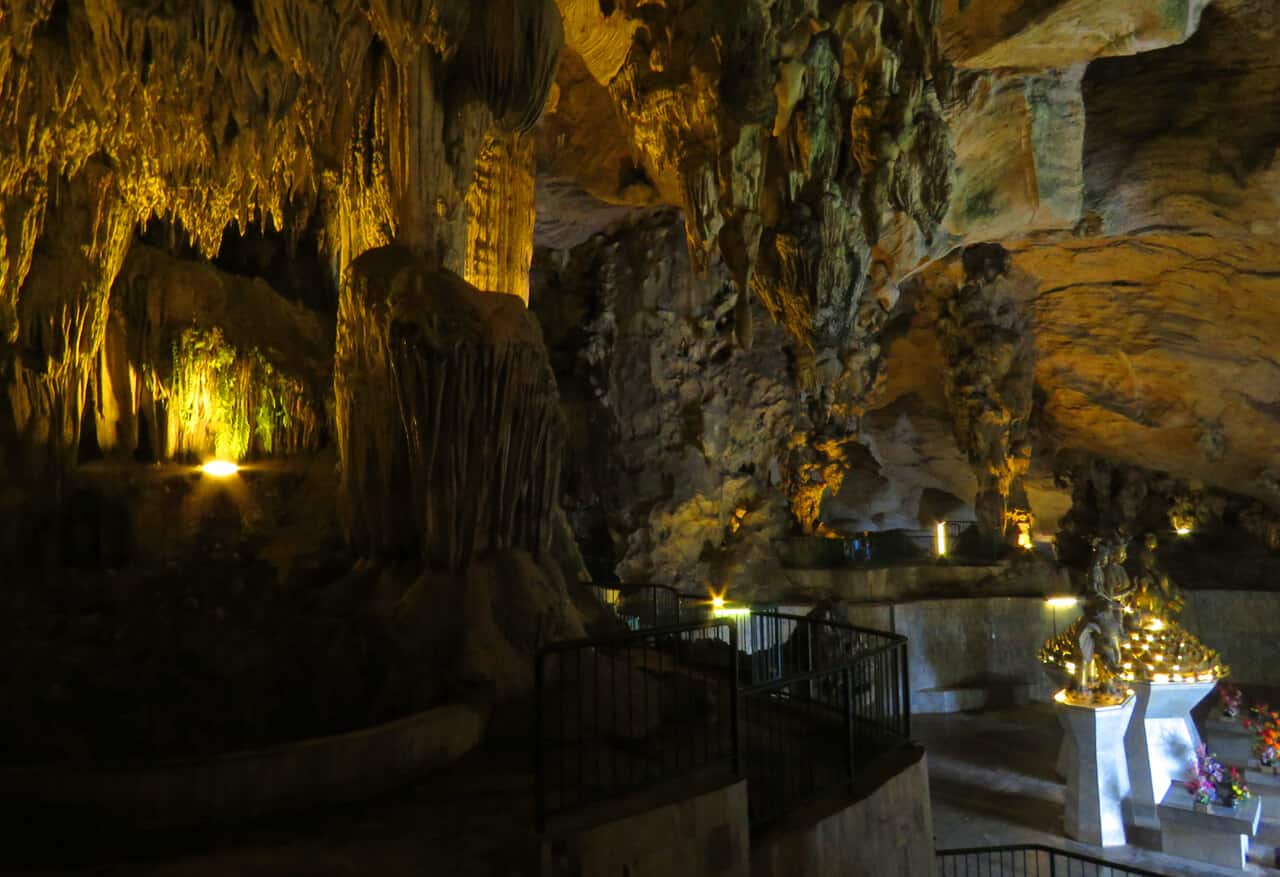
(1097, 781)
(1219, 835)
(1160, 744)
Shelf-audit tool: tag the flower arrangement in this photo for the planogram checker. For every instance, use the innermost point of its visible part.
(1215, 784)
(1264, 722)
(1232, 699)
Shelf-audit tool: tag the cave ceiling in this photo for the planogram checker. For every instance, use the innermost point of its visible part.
(1067, 207)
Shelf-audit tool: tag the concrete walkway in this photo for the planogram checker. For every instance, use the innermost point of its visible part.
(992, 781)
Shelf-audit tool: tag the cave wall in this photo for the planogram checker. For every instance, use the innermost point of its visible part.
(678, 437)
(1036, 202)
(1099, 282)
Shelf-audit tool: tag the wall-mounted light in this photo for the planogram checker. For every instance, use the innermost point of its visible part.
(220, 468)
(1066, 601)
(940, 539)
(1183, 531)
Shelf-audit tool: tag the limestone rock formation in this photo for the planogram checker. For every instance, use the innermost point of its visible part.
(199, 363)
(792, 268)
(676, 457)
(448, 419)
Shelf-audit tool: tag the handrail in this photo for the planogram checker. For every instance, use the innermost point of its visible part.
(1118, 869)
(613, 639)
(779, 668)
(770, 684)
(843, 625)
(603, 697)
(849, 716)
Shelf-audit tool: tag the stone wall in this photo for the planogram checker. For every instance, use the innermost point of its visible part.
(702, 836)
(889, 830)
(970, 652)
(966, 653)
(1241, 625)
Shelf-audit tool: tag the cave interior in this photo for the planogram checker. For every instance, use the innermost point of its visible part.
(345, 343)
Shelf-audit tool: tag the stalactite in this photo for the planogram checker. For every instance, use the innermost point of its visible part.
(500, 216)
(446, 405)
(214, 365)
(62, 316)
(510, 58)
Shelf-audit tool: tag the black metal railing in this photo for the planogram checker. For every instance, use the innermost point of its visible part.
(1031, 860)
(809, 734)
(778, 645)
(643, 606)
(616, 715)
(796, 704)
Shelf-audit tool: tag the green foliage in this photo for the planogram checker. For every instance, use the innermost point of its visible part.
(220, 398)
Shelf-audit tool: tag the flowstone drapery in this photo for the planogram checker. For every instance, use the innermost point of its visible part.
(446, 406)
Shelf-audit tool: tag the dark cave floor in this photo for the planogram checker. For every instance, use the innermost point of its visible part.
(991, 777)
(474, 819)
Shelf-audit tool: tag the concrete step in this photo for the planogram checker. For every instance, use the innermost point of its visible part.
(976, 695)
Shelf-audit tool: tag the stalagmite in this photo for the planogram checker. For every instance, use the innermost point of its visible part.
(445, 405)
(989, 387)
(500, 214)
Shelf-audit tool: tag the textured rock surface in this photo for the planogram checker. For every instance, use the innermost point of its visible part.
(804, 268)
(189, 349)
(677, 436)
(1126, 317)
(1047, 34)
(447, 416)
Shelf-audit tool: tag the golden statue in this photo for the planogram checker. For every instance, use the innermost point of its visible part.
(1127, 631)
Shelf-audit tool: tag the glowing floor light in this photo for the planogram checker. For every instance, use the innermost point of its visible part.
(1062, 602)
(1183, 531)
(220, 468)
(940, 539)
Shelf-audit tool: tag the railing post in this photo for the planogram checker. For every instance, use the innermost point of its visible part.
(539, 775)
(906, 689)
(848, 717)
(735, 705)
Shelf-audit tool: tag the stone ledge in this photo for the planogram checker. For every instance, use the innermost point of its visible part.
(250, 784)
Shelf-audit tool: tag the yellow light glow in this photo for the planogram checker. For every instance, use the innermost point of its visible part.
(220, 468)
(1070, 665)
(1024, 541)
(940, 539)
(1183, 531)
(731, 612)
(1062, 602)
(717, 602)
(1160, 677)
(1155, 623)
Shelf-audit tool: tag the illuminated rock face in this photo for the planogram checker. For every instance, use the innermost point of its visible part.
(677, 437)
(199, 363)
(839, 171)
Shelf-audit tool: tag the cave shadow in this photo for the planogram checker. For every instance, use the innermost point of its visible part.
(1013, 808)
